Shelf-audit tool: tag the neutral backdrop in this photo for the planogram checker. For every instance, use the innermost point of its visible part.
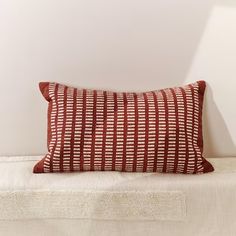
(129, 45)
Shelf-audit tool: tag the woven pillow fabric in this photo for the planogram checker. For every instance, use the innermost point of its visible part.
(94, 130)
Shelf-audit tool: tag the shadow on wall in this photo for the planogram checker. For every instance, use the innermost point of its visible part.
(226, 3)
(216, 134)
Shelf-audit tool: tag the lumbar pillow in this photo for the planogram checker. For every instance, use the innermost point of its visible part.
(157, 131)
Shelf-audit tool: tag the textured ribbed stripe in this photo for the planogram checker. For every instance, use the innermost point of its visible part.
(177, 130)
(135, 131)
(125, 133)
(156, 131)
(63, 130)
(93, 129)
(167, 131)
(193, 121)
(104, 131)
(146, 132)
(185, 122)
(55, 108)
(73, 131)
(83, 131)
(114, 133)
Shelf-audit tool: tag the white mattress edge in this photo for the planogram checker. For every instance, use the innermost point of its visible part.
(105, 205)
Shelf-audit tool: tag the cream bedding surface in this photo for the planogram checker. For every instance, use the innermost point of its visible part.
(114, 203)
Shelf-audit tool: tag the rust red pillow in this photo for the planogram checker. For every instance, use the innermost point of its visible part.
(157, 131)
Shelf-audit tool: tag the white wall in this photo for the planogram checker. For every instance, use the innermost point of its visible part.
(115, 44)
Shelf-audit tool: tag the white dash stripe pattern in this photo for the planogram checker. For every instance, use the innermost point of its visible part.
(157, 131)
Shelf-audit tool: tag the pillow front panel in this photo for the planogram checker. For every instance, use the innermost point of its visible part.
(156, 131)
